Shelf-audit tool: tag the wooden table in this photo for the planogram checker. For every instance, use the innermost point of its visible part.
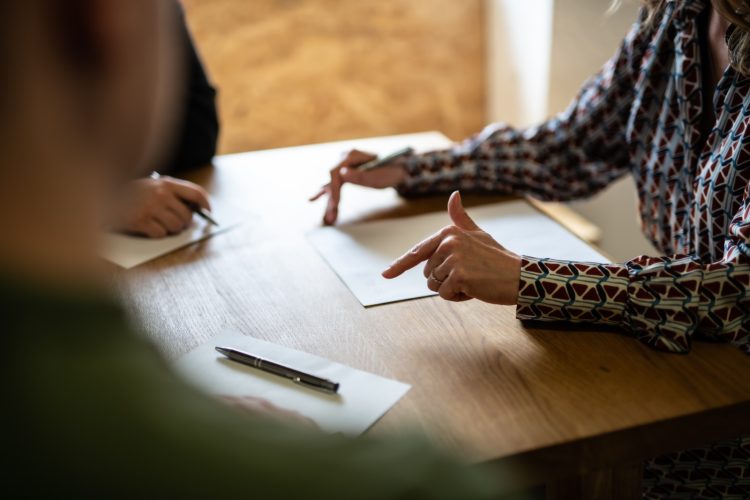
(576, 409)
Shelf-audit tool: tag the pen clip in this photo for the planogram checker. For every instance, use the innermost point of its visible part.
(299, 381)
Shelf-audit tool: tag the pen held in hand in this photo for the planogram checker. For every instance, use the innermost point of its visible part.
(296, 376)
(382, 162)
(194, 207)
(201, 212)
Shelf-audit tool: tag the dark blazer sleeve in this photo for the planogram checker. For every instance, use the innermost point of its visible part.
(198, 133)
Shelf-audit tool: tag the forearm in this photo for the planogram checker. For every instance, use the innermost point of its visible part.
(559, 160)
(663, 301)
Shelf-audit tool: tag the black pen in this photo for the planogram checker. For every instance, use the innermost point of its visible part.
(381, 162)
(201, 212)
(296, 376)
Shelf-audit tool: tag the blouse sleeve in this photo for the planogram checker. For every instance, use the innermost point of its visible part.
(664, 301)
(572, 155)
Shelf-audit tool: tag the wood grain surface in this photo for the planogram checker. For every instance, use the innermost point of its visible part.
(295, 72)
(547, 401)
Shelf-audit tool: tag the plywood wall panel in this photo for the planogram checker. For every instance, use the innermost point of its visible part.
(300, 71)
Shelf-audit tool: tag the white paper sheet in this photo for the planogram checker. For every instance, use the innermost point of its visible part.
(130, 251)
(358, 253)
(362, 398)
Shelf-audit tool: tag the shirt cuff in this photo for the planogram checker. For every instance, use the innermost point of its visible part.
(436, 172)
(413, 168)
(559, 290)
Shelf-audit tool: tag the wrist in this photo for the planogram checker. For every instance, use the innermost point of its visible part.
(516, 280)
(408, 176)
(508, 277)
(401, 165)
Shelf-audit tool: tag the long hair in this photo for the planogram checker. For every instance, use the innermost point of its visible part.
(736, 12)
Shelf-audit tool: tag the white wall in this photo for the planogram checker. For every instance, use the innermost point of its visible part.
(518, 52)
(562, 43)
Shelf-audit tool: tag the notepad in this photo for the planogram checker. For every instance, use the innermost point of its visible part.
(130, 251)
(361, 400)
(358, 253)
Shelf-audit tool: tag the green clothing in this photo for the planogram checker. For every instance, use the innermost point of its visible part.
(93, 410)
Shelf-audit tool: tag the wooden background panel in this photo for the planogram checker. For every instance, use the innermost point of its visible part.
(294, 72)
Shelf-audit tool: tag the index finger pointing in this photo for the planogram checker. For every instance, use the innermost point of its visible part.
(420, 252)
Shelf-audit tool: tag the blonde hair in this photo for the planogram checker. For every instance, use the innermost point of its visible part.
(736, 12)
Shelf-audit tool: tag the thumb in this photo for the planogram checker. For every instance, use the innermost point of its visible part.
(458, 214)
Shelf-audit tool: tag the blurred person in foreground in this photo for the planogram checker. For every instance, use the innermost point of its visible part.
(90, 409)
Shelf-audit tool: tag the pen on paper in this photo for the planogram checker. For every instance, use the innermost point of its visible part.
(296, 376)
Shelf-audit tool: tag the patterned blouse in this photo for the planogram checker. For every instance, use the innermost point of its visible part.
(649, 113)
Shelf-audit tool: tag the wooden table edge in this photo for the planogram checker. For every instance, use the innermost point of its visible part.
(630, 445)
